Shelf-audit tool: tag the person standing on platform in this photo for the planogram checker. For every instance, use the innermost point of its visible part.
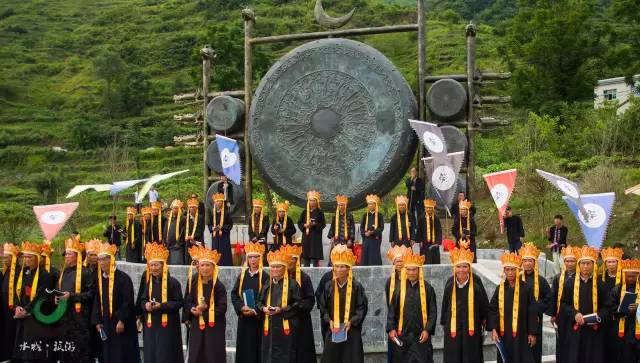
(515, 230)
(415, 194)
(540, 290)
(259, 224)
(401, 230)
(430, 233)
(114, 310)
(344, 306)
(279, 303)
(627, 334)
(206, 305)
(303, 338)
(343, 228)
(464, 228)
(557, 236)
(221, 225)
(77, 283)
(464, 311)
(412, 314)
(569, 258)
(611, 276)
(512, 320)
(585, 297)
(246, 290)
(282, 228)
(113, 233)
(312, 223)
(371, 229)
(455, 210)
(174, 234)
(133, 237)
(226, 189)
(194, 229)
(157, 222)
(161, 301)
(146, 226)
(10, 272)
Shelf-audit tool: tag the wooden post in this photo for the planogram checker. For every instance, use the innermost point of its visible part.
(249, 17)
(208, 55)
(422, 112)
(471, 96)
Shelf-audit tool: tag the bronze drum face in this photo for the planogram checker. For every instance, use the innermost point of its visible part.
(332, 115)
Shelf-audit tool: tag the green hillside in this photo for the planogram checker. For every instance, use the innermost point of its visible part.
(97, 79)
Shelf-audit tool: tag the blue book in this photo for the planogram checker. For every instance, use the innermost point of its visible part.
(339, 336)
(502, 351)
(249, 298)
(628, 299)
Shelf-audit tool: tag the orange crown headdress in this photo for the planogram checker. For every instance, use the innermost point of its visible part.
(46, 249)
(92, 246)
(461, 255)
(402, 199)
(28, 248)
(156, 205)
(398, 252)
(429, 203)
(342, 255)
(529, 250)
(588, 253)
(342, 199)
(258, 203)
(372, 198)
(511, 259)
(292, 250)
(411, 260)
(11, 249)
(193, 202)
(279, 257)
(74, 245)
(177, 203)
(254, 249)
(284, 206)
(570, 252)
(146, 210)
(132, 210)
(464, 204)
(106, 249)
(218, 197)
(155, 252)
(611, 253)
(632, 265)
(203, 254)
(312, 194)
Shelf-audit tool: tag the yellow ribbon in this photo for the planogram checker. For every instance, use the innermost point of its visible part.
(78, 288)
(34, 284)
(12, 276)
(192, 232)
(215, 220)
(112, 271)
(560, 290)
(336, 301)
(406, 220)
(336, 233)
(594, 293)
(283, 304)
(470, 306)
(516, 306)
(423, 300)
(163, 297)
(253, 224)
(212, 316)
(375, 220)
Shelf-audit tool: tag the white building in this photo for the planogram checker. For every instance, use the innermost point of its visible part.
(616, 90)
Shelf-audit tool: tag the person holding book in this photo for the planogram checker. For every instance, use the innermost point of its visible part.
(585, 305)
(624, 306)
(611, 277)
(246, 290)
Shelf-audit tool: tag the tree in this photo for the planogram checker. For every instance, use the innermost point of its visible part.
(16, 222)
(109, 67)
(134, 92)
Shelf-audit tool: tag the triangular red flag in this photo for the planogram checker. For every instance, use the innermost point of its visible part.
(501, 186)
(53, 217)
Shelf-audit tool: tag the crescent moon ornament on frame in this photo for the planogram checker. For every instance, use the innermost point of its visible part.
(330, 22)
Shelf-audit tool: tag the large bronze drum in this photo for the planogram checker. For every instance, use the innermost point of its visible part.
(331, 116)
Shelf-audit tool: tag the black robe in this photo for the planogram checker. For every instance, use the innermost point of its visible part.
(29, 330)
(562, 322)
(627, 348)
(371, 245)
(113, 234)
(610, 325)
(95, 343)
(281, 237)
(350, 351)
(249, 331)
(277, 346)
(430, 242)
(469, 235)
(412, 351)
(260, 234)
(464, 348)
(324, 326)
(134, 247)
(8, 328)
(157, 228)
(162, 344)
(207, 345)
(393, 230)
(76, 326)
(584, 344)
(174, 240)
(146, 230)
(517, 347)
(118, 348)
(305, 346)
(351, 230)
(222, 242)
(312, 242)
(387, 288)
(194, 234)
(540, 306)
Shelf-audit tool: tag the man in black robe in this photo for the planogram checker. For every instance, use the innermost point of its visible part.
(626, 346)
(415, 194)
(463, 341)
(430, 233)
(91, 263)
(146, 227)
(412, 315)
(194, 229)
(326, 277)
(113, 232)
(220, 228)
(77, 283)
(557, 236)
(455, 208)
(611, 276)
(206, 306)
(174, 234)
(279, 302)
(584, 343)
(133, 237)
(10, 271)
(161, 300)
(401, 231)
(515, 230)
(305, 347)
(513, 297)
(157, 222)
(312, 223)
(371, 228)
(559, 289)
(540, 290)
(31, 334)
(343, 228)
(113, 310)
(251, 281)
(282, 228)
(352, 309)
(259, 226)
(464, 228)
